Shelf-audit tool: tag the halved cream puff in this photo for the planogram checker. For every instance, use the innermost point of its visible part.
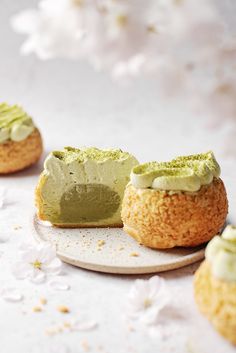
(83, 187)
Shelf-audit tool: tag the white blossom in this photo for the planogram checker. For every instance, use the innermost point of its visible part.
(146, 299)
(36, 262)
(182, 43)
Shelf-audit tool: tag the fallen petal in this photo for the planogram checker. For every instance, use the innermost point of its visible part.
(11, 295)
(59, 285)
(2, 197)
(84, 325)
(4, 237)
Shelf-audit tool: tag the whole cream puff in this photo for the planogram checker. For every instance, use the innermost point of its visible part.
(177, 203)
(20, 141)
(215, 284)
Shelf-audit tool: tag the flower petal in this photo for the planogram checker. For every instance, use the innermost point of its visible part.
(53, 268)
(46, 252)
(11, 294)
(37, 276)
(59, 285)
(2, 197)
(84, 325)
(21, 270)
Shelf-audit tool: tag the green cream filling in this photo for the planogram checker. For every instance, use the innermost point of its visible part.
(88, 203)
(15, 123)
(187, 173)
(221, 253)
(85, 185)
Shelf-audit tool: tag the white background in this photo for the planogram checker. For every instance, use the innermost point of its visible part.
(73, 105)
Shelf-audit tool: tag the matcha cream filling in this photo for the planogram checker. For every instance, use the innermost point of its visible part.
(15, 123)
(221, 254)
(187, 173)
(85, 185)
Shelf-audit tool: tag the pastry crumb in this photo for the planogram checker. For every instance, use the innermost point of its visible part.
(134, 254)
(85, 346)
(101, 243)
(51, 331)
(17, 227)
(37, 309)
(67, 324)
(43, 301)
(63, 309)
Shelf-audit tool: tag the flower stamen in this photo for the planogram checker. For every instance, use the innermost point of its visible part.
(147, 303)
(37, 264)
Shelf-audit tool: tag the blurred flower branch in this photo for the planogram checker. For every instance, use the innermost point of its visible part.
(183, 44)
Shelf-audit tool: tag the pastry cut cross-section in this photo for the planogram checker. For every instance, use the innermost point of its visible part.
(84, 187)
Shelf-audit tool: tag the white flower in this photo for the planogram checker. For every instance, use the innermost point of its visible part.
(36, 262)
(146, 299)
(183, 44)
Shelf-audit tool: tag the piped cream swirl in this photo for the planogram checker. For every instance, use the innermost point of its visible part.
(221, 254)
(15, 123)
(187, 173)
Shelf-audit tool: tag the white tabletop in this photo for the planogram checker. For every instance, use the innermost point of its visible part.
(72, 105)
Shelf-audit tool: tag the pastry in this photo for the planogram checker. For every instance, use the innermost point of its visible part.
(177, 203)
(83, 187)
(215, 284)
(20, 140)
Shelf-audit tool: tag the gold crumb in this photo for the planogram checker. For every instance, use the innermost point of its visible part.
(121, 248)
(134, 254)
(101, 243)
(131, 328)
(85, 346)
(63, 309)
(43, 301)
(37, 309)
(17, 227)
(67, 324)
(51, 331)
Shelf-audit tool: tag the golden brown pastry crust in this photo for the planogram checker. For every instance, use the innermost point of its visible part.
(216, 299)
(159, 219)
(41, 215)
(15, 156)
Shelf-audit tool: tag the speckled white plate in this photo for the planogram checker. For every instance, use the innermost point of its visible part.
(111, 250)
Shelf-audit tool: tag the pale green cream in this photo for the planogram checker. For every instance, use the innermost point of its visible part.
(15, 123)
(85, 185)
(221, 254)
(187, 173)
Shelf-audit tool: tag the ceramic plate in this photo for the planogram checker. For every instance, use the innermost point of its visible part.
(111, 250)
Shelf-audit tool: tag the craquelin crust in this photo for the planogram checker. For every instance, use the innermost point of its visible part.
(43, 217)
(15, 156)
(216, 299)
(159, 219)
